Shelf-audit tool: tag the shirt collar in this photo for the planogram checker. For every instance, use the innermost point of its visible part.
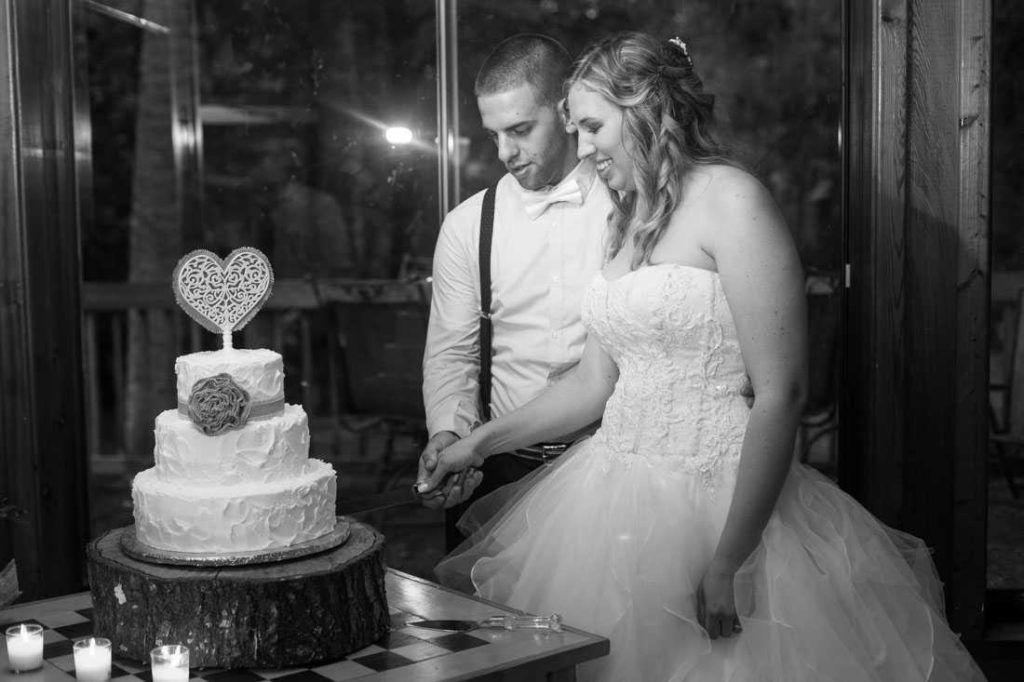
(583, 174)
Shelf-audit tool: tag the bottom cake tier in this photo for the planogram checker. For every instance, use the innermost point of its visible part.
(236, 518)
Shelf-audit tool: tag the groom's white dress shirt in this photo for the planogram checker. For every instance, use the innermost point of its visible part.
(540, 268)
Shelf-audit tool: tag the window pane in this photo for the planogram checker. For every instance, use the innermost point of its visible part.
(775, 68)
(318, 123)
(317, 146)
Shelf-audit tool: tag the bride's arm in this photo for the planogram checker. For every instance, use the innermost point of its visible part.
(763, 282)
(573, 403)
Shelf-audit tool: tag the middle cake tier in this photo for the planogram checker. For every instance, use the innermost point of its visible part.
(264, 450)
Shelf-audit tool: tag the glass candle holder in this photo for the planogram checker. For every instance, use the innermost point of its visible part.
(24, 647)
(169, 663)
(92, 659)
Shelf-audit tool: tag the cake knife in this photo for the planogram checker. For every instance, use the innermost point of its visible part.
(396, 497)
(499, 622)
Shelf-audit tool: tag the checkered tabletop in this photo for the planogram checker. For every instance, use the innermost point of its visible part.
(405, 654)
(402, 646)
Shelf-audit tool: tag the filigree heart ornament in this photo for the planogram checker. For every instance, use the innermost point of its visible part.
(223, 295)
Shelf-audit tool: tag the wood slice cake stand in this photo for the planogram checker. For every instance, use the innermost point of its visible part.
(294, 612)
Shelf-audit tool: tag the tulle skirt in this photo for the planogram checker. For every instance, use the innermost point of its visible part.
(618, 547)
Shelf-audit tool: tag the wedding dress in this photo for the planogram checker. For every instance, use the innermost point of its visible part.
(615, 536)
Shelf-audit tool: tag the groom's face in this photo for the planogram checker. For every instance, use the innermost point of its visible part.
(530, 136)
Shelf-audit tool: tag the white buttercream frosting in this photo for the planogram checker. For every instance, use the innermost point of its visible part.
(182, 517)
(258, 370)
(262, 451)
(245, 489)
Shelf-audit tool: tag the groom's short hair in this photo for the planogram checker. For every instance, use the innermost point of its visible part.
(525, 58)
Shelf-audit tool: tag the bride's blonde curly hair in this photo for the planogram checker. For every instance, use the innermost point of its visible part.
(666, 121)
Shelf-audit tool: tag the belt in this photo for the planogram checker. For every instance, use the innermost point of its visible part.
(542, 452)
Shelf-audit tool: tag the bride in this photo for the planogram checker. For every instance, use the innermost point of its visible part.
(683, 530)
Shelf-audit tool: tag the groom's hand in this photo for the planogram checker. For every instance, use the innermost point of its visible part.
(453, 471)
(428, 462)
(428, 458)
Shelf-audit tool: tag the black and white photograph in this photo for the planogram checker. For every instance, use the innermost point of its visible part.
(511, 340)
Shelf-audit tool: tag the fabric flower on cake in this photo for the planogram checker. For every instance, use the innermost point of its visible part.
(218, 404)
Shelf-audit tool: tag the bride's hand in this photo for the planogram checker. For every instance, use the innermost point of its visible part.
(716, 602)
(458, 457)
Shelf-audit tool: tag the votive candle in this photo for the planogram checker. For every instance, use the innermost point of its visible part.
(24, 647)
(92, 659)
(169, 663)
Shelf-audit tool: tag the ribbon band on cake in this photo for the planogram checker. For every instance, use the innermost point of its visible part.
(256, 410)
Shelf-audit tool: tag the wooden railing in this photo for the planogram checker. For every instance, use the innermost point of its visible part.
(377, 327)
(350, 346)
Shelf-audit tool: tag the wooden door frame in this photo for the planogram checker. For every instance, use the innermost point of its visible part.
(45, 162)
(42, 442)
(914, 437)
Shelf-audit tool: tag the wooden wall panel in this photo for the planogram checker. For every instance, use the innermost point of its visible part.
(42, 443)
(888, 260)
(932, 173)
(916, 368)
(973, 286)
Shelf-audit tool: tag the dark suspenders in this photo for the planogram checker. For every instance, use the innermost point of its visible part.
(486, 328)
(542, 452)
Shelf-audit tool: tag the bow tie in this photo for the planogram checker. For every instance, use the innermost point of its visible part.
(536, 203)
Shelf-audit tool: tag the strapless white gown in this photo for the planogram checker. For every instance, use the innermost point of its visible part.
(616, 535)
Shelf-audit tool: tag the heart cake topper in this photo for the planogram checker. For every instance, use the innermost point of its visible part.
(223, 295)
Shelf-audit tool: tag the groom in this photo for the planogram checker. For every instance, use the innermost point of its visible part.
(550, 213)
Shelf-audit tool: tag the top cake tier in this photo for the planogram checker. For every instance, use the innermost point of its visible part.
(258, 370)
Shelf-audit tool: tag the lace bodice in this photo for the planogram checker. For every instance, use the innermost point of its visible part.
(677, 399)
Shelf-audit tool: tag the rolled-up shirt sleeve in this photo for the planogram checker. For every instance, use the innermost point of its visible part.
(451, 362)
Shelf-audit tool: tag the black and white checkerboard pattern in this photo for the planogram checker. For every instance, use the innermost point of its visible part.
(404, 645)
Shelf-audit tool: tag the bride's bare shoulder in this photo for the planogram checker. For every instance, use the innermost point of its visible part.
(722, 181)
(730, 192)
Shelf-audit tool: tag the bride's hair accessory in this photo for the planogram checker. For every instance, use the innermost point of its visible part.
(678, 43)
(674, 70)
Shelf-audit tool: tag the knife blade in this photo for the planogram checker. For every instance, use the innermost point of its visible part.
(396, 497)
(449, 625)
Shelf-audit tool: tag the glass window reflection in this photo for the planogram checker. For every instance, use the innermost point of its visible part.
(775, 68)
(298, 102)
(318, 145)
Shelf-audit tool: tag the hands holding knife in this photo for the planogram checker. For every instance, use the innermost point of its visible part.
(444, 482)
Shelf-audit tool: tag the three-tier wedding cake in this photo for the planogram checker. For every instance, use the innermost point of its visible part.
(232, 469)
(236, 551)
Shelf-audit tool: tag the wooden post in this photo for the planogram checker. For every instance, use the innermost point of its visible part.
(914, 435)
(42, 441)
(973, 281)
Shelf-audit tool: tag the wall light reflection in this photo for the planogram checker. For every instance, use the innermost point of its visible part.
(398, 135)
